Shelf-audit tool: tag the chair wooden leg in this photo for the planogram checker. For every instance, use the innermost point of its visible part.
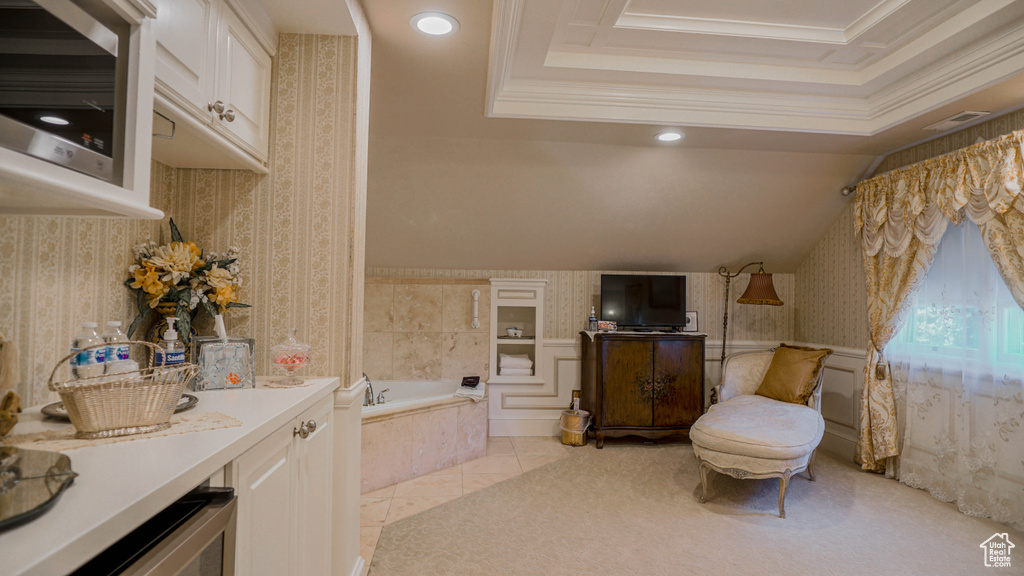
(704, 482)
(810, 467)
(783, 487)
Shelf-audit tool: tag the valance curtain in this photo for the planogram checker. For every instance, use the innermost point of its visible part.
(901, 216)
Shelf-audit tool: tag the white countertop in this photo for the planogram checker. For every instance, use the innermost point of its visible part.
(123, 484)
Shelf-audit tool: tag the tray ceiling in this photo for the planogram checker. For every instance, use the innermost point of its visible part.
(856, 67)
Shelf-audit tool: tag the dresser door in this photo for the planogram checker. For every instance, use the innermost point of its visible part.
(627, 383)
(678, 382)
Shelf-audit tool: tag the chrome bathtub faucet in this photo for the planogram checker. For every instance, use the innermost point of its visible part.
(368, 396)
(380, 396)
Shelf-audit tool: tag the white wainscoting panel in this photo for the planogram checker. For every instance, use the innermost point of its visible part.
(534, 409)
(840, 400)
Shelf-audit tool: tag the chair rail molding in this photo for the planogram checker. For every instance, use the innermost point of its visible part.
(534, 409)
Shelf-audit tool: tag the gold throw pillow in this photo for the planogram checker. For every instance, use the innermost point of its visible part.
(793, 372)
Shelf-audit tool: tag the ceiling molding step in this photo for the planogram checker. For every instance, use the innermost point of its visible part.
(934, 37)
(988, 63)
(736, 28)
(705, 68)
(763, 30)
(708, 108)
(873, 17)
(506, 16)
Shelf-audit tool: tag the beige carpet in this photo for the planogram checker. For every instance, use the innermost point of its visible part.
(632, 510)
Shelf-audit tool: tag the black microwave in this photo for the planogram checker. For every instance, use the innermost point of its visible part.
(61, 85)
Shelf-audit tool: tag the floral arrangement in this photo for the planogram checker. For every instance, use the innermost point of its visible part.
(180, 273)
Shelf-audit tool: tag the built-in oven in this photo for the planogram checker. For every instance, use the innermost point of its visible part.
(188, 538)
(62, 84)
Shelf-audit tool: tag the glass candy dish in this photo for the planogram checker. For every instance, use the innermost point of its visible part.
(290, 355)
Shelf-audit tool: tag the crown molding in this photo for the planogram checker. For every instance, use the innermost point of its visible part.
(764, 30)
(986, 62)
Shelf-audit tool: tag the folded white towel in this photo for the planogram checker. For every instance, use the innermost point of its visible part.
(515, 371)
(514, 361)
(477, 394)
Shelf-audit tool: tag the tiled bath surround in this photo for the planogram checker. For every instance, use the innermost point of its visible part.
(422, 329)
(412, 443)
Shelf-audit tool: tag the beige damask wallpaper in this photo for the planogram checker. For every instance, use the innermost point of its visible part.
(300, 230)
(989, 129)
(570, 293)
(831, 298)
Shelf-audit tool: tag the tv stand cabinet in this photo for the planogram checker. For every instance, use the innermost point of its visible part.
(648, 385)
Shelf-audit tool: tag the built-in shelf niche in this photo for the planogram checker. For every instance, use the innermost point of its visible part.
(516, 303)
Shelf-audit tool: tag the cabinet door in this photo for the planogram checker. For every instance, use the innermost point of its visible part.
(678, 382)
(186, 48)
(263, 479)
(243, 85)
(626, 381)
(313, 546)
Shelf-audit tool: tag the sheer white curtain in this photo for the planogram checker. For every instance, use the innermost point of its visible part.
(958, 365)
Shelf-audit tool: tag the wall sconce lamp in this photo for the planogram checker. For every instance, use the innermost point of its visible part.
(759, 291)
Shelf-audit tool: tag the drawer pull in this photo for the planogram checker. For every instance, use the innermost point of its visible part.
(217, 106)
(311, 425)
(228, 115)
(301, 431)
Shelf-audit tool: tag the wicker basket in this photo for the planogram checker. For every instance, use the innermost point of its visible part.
(122, 404)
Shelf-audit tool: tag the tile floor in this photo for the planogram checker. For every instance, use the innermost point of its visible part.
(506, 458)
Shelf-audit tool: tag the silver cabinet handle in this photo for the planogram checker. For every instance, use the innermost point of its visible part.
(311, 425)
(301, 431)
(228, 115)
(217, 106)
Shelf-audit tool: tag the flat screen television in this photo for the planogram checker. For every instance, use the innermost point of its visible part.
(643, 301)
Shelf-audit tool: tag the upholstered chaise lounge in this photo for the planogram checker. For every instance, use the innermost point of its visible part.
(748, 435)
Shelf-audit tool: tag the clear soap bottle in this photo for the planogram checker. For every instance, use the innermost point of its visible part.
(592, 321)
(171, 351)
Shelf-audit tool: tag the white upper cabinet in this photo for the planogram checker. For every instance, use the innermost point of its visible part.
(186, 52)
(243, 86)
(213, 83)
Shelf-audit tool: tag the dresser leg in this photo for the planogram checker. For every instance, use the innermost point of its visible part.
(600, 440)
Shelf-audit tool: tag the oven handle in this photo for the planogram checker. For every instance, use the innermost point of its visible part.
(175, 552)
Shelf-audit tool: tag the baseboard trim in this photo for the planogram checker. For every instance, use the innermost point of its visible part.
(532, 427)
(360, 568)
(838, 446)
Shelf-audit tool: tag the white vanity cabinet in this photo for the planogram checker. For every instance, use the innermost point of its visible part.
(284, 487)
(213, 82)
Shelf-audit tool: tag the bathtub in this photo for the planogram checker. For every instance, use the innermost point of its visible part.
(421, 427)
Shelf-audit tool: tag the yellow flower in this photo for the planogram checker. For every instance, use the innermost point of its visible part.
(224, 296)
(157, 297)
(147, 278)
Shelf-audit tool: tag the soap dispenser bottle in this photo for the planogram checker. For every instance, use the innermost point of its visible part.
(592, 321)
(171, 350)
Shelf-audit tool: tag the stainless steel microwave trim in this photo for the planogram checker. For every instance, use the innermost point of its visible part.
(82, 22)
(174, 553)
(46, 146)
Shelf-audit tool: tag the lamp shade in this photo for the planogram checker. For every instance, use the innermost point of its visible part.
(760, 290)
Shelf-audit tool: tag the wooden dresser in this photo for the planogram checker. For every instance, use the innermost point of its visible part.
(649, 385)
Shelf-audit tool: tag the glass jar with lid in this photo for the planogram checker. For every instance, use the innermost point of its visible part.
(289, 356)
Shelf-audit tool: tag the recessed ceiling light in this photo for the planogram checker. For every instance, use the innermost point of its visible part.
(434, 23)
(57, 120)
(670, 136)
